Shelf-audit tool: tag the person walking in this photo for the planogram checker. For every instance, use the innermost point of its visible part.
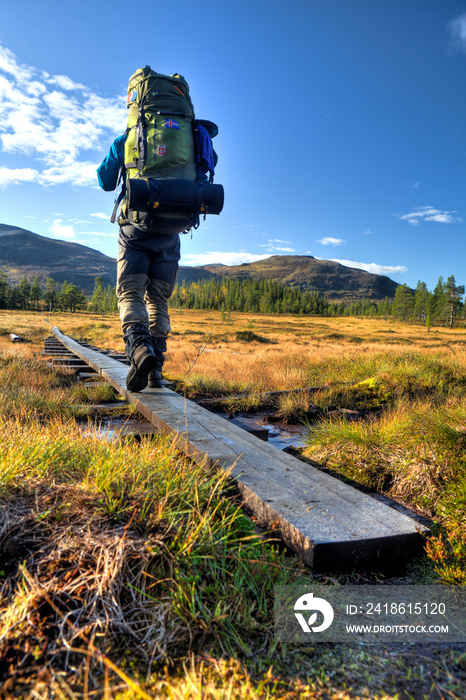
(166, 162)
(147, 266)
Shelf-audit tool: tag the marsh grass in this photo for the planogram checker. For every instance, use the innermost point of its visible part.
(140, 548)
(31, 390)
(127, 571)
(380, 380)
(295, 407)
(93, 394)
(414, 452)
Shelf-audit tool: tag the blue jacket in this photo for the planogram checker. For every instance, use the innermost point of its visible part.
(108, 170)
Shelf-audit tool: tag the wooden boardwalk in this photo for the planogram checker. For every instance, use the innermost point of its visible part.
(330, 524)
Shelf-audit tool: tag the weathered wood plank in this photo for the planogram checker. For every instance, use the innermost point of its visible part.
(327, 522)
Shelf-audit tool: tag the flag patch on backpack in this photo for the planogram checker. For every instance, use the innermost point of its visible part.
(132, 96)
(171, 124)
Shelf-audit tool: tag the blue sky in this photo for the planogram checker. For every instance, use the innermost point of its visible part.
(342, 123)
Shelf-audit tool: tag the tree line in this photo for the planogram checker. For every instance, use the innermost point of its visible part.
(442, 306)
(53, 296)
(259, 296)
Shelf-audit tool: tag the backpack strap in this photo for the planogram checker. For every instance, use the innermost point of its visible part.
(121, 194)
(121, 179)
(141, 135)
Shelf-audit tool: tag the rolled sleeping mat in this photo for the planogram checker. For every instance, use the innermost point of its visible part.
(175, 195)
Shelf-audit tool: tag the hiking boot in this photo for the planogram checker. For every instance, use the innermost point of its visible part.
(155, 375)
(142, 362)
(155, 379)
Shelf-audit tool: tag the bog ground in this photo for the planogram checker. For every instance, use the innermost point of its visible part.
(128, 571)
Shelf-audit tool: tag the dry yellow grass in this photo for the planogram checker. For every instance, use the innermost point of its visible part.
(299, 349)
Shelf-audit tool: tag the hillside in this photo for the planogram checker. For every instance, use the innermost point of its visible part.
(337, 282)
(24, 253)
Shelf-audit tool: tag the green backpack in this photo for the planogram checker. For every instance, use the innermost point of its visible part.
(160, 192)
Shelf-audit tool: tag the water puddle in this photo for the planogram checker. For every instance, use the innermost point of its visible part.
(115, 428)
(281, 435)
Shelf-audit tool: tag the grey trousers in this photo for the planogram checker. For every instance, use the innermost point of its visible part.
(147, 265)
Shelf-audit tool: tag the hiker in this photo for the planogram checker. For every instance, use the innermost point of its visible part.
(147, 265)
(166, 163)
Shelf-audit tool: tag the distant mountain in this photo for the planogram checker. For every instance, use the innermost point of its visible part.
(337, 282)
(195, 274)
(23, 253)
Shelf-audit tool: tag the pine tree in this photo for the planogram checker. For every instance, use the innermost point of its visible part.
(51, 293)
(437, 306)
(36, 292)
(421, 301)
(453, 301)
(97, 299)
(62, 297)
(4, 287)
(403, 304)
(23, 292)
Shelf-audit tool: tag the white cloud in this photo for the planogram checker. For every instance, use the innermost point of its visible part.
(443, 218)
(272, 248)
(16, 176)
(373, 267)
(224, 258)
(416, 185)
(100, 215)
(65, 83)
(457, 30)
(54, 120)
(368, 232)
(8, 64)
(328, 240)
(430, 214)
(60, 230)
(77, 173)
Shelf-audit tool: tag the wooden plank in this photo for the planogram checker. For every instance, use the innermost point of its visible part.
(103, 407)
(75, 369)
(70, 360)
(57, 353)
(330, 524)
